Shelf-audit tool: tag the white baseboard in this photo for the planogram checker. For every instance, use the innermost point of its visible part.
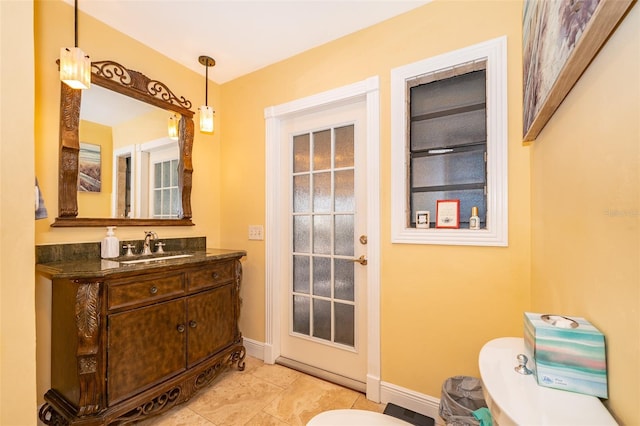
(414, 401)
(388, 392)
(254, 348)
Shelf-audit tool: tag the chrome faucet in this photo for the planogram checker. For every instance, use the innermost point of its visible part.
(148, 237)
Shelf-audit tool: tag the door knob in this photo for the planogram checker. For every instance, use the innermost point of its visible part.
(363, 239)
(361, 260)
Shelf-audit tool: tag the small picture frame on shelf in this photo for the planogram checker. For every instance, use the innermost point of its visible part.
(448, 214)
(423, 217)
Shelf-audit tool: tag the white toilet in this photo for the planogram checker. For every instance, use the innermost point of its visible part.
(354, 418)
(512, 398)
(517, 399)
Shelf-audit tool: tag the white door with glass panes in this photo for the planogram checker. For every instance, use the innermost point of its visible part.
(324, 318)
(165, 201)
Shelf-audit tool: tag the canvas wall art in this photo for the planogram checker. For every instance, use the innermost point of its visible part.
(89, 168)
(559, 40)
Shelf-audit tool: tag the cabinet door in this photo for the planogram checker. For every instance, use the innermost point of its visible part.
(145, 346)
(211, 317)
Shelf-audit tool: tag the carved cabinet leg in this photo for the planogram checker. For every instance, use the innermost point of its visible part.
(49, 416)
(87, 315)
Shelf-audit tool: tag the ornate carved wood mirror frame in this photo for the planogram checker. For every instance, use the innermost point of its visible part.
(117, 78)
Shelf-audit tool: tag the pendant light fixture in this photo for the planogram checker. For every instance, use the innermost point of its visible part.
(173, 127)
(75, 66)
(206, 112)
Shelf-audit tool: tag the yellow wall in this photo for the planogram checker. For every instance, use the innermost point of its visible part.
(17, 310)
(98, 204)
(142, 129)
(586, 210)
(439, 304)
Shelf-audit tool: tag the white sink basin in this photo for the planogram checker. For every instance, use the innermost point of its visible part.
(155, 259)
(516, 399)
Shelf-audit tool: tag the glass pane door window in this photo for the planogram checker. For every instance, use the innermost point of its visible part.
(166, 194)
(323, 220)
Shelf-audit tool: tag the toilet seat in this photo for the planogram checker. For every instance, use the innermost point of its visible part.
(350, 417)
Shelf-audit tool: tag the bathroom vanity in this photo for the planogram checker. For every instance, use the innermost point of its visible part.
(132, 340)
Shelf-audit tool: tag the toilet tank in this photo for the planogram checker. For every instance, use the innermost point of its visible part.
(516, 399)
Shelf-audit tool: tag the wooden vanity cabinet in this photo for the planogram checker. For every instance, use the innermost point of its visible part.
(129, 346)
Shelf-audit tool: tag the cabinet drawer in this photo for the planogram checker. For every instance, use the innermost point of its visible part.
(145, 289)
(211, 276)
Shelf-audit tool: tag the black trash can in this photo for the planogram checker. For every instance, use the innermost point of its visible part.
(461, 396)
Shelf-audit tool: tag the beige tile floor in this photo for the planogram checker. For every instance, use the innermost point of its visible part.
(269, 395)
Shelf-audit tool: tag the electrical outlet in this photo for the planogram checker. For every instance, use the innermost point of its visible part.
(256, 232)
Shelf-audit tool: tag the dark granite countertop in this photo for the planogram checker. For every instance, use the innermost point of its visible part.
(97, 268)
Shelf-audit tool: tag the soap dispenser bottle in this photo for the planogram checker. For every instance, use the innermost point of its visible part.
(110, 246)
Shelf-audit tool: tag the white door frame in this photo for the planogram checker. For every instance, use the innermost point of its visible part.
(369, 91)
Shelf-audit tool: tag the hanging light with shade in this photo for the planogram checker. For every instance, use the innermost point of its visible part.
(75, 66)
(173, 126)
(206, 112)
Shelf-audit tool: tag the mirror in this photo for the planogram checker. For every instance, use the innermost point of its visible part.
(128, 163)
(144, 160)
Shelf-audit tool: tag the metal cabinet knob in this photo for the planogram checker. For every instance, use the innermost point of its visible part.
(215, 275)
(181, 328)
(193, 324)
(153, 289)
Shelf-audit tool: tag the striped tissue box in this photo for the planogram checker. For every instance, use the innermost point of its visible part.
(568, 353)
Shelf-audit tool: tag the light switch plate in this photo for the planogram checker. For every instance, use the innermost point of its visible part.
(256, 232)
